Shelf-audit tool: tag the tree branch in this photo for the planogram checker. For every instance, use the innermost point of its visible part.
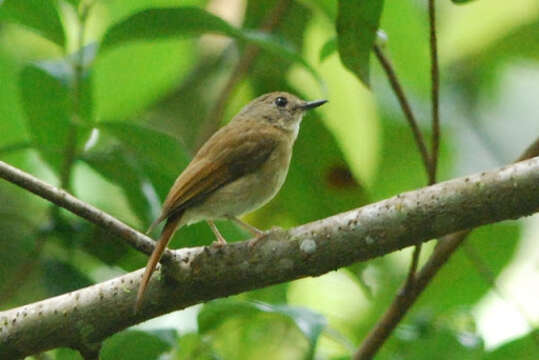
(85, 317)
(64, 199)
(408, 294)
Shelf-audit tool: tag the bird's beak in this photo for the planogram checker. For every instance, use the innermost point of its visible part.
(312, 104)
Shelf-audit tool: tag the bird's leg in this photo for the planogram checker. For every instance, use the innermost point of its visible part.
(220, 239)
(253, 230)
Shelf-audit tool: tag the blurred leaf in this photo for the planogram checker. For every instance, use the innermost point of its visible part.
(110, 249)
(458, 2)
(182, 110)
(478, 73)
(160, 23)
(119, 168)
(67, 354)
(523, 348)
(495, 246)
(75, 3)
(328, 49)
(135, 345)
(268, 70)
(192, 346)
(215, 313)
(61, 277)
(39, 15)
(47, 106)
(124, 88)
(424, 337)
(160, 155)
(192, 21)
(357, 23)
(328, 7)
(406, 26)
(401, 168)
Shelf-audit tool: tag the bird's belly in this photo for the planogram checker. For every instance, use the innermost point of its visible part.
(245, 194)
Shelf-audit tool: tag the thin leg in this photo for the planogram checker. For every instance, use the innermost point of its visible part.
(253, 230)
(220, 239)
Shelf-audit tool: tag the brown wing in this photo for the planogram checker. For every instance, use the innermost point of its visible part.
(229, 154)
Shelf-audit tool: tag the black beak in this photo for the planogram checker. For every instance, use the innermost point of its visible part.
(312, 104)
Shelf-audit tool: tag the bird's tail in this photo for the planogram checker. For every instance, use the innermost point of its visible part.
(160, 246)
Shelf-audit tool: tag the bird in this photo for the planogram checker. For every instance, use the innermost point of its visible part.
(238, 169)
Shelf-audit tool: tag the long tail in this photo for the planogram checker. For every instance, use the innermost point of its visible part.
(160, 246)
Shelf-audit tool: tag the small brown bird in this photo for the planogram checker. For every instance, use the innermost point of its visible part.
(239, 169)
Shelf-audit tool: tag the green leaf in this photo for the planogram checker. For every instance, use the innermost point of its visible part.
(138, 345)
(478, 73)
(39, 15)
(215, 313)
(47, 106)
(161, 156)
(357, 23)
(75, 3)
(460, 2)
(192, 346)
(328, 49)
(61, 277)
(161, 23)
(67, 354)
(268, 72)
(424, 336)
(488, 248)
(120, 168)
(401, 168)
(523, 348)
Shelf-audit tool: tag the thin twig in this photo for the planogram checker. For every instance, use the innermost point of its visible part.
(212, 121)
(405, 105)
(63, 199)
(407, 295)
(379, 334)
(435, 85)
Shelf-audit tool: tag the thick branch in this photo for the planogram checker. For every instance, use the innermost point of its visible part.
(82, 318)
(409, 294)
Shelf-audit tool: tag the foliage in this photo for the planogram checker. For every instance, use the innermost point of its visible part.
(110, 99)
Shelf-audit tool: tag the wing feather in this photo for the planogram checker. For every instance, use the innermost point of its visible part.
(223, 159)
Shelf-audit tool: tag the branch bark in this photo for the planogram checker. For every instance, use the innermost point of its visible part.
(408, 294)
(83, 318)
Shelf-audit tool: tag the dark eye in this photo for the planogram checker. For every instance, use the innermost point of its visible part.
(281, 101)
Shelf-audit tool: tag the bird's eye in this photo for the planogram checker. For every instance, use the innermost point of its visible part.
(281, 101)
